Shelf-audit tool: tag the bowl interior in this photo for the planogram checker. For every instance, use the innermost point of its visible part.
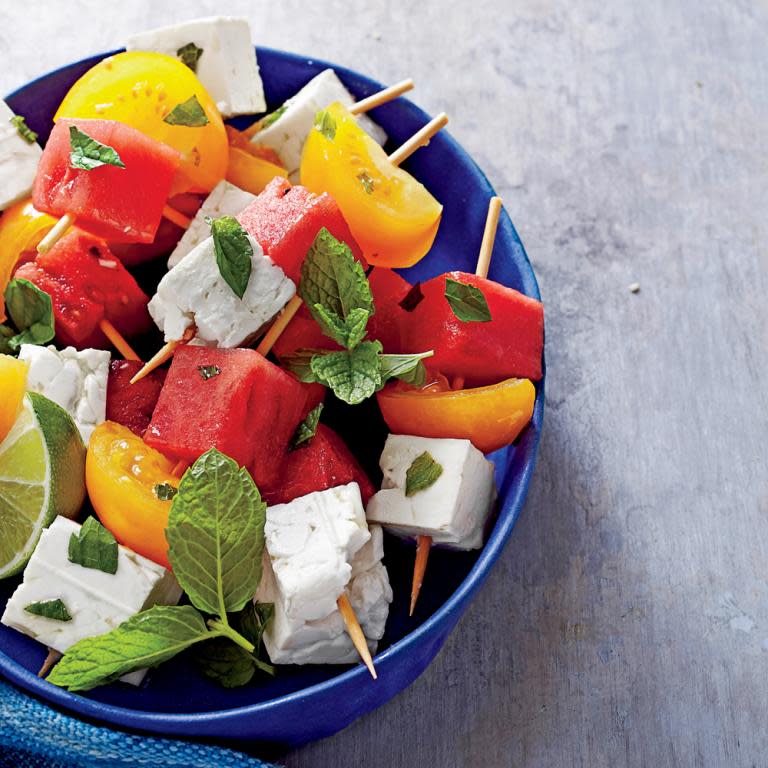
(455, 180)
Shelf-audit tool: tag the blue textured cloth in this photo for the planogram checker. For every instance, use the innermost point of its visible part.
(33, 735)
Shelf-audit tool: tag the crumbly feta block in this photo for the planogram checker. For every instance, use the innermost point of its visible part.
(194, 292)
(311, 542)
(287, 134)
(75, 379)
(453, 510)
(97, 601)
(292, 637)
(225, 199)
(227, 66)
(18, 160)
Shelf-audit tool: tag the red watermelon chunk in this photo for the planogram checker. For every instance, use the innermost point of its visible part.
(123, 205)
(324, 462)
(87, 284)
(509, 345)
(231, 399)
(286, 219)
(129, 404)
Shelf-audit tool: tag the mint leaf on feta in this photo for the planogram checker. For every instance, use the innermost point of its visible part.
(87, 153)
(216, 534)
(31, 311)
(336, 291)
(308, 428)
(422, 473)
(145, 640)
(26, 133)
(94, 547)
(273, 117)
(234, 253)
(352, 374)
(190, 54)
(189, 113)
(50, 609)
(467, 302)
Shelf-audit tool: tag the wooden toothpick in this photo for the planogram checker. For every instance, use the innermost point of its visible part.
(382, 97)
(419, 139)
(164, 353)
(118, 340)
(355, 631)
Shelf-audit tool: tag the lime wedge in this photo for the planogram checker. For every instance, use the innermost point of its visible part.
(42, 474)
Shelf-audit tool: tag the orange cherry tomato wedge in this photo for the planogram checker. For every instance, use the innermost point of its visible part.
(250, 172)
(140, 89)
(13, 385)
(121, 474)
(490, 417)
(22, 227)
(240, 140)
(392, 216)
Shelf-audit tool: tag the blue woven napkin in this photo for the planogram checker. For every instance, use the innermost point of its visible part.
(33, 735)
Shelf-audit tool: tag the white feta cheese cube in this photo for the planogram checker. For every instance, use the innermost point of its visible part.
(453, 510)
(287, 134)
(225, 199)
(18, 160)
(311, 542)
(294, 639)
(194, 292)
(227, 66)
(75, 379)
(97, 601)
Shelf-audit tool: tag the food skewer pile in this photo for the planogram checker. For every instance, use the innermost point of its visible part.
(216, 476)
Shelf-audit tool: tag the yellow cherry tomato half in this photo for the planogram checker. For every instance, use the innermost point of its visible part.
(22, 227)
(249, 172)
(140, 89)
(489, 417)
(122, 473)
(13, 385)
(392, 216)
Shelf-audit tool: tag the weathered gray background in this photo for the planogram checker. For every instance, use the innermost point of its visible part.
(627, 623)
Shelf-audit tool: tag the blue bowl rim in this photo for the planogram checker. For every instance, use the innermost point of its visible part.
(502, 529)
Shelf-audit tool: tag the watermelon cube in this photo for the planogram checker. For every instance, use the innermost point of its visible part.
(87, 284)
(285, 220)
(321, 463)
(232, 399)
(129, 404)
(123, 205)
(509, 345)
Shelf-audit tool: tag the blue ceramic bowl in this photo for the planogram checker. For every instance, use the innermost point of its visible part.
(305, 703)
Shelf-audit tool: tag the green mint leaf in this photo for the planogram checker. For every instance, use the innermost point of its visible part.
(273, 117)
(216, 534)
(87, 153)
(325, 123)
(300, 364)
(347, 332)
(408, 368)
(94, 547)
(208, 371)
(6, 334)
(234, 253)
(230, 665)
(50, 609)
(31, 311)
(367, 182)
(190, 54)
(24, 130)
(145, 640)
(189, 113)
(467, 302)
(352, 374)
(422, 473)
(165, 491)
(307, 429)
(335, 289)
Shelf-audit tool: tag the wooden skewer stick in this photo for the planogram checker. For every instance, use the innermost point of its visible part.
(285, 317)
(56, 233)
(419, 139)
(177, 217)
(117, 340)
(424, 543)
(164, 353)
(182, 465)
(382, 97)
(356, 632)
(51, 660)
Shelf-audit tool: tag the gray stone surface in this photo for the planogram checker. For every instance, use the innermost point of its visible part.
(627, 622)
